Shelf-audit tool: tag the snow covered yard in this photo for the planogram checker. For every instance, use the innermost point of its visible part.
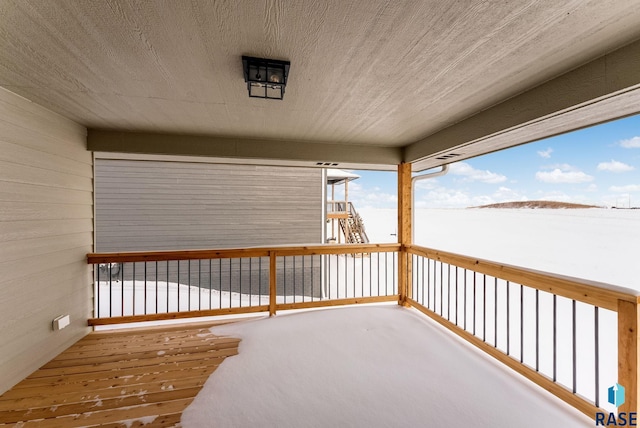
(372, 366)
(595, 244)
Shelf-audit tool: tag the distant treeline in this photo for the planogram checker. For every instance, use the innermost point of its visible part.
(538, 204)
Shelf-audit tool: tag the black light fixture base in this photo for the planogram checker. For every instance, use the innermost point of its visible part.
(266, 78)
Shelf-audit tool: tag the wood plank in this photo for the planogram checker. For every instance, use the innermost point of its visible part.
(107, 353)
(145, 352)
(337, 302)
(591, 292)
(97, 403)
(188, 361)
(121, 382)
(628, 354)
(307, 250)
(312, 250)
(337, 215)
(177, 315)
(130, 388)
(168, 420)
(149, 256)
(137, 331)
(119, 345)
(96, 341)
(113, 415)
(556, 389)
(126, 361)
(90, 392)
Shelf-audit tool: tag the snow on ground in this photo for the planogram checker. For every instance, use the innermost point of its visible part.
(595, 244)
(373, 366)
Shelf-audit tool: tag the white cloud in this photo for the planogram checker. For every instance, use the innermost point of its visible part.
(614, 166)
(562, 167)
(443, 197)
(592, 188)
(427, 184)
(563, 173)
(505, 194)
(545, 153)
(625, 189)
(471, 174)
(630, 143)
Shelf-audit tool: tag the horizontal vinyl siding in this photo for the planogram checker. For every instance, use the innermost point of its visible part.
(46, 230)
(153, 205)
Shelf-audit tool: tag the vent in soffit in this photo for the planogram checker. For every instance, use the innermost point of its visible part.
(449, 156)
(326, 164)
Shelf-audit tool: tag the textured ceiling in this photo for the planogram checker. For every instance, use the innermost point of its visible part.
(364, 72)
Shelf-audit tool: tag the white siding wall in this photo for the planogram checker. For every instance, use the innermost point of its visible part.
(46, 230)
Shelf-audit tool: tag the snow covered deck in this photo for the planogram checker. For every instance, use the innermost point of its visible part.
(354, 366)
(367, 366)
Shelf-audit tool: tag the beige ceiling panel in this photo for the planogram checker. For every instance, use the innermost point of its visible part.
(367, 73)
(612, 73)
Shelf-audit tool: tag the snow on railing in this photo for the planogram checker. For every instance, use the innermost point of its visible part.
(146, 286)
(573, 337)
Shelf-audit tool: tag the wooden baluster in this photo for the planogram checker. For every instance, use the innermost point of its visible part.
(272, 283)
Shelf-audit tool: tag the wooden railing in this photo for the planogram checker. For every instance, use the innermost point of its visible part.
(342, 207)
(550, 328)
(159, 285)
(531, 321)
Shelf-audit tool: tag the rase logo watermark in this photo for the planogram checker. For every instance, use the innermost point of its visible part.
(615, 396)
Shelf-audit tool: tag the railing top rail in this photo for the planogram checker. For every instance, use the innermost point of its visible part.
(231, 253)
(592, 292)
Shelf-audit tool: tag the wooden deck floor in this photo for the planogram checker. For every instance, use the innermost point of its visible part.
(126, 378)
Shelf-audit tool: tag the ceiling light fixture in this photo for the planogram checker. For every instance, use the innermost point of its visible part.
(266, 78)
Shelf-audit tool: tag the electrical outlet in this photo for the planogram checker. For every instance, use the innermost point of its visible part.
(61, 322)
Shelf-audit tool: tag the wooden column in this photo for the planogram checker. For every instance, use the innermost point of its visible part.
(272, 283)
(333, 209)
(628, 354)
(404, 232)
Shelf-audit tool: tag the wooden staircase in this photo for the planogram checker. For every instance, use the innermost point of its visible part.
(353, 227)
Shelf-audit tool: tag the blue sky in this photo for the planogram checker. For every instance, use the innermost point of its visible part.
(598, 165)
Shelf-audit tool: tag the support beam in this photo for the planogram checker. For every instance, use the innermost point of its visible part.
(300, 153)
(404, 232)
(628, 353)
(612, 75)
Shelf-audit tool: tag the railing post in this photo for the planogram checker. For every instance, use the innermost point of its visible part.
(628, 353)
(404, 232)
(272, 283)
